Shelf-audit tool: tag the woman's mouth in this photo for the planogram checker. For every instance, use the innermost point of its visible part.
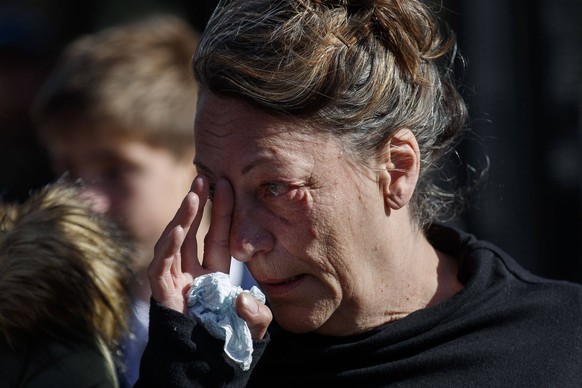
(280, 287)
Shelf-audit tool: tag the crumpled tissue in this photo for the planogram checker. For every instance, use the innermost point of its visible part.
(212, 300)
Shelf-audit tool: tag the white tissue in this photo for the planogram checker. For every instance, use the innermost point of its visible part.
(211, 299)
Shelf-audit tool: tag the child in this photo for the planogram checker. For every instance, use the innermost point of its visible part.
(117, 114)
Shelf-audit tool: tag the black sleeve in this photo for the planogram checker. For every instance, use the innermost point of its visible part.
(181, 353)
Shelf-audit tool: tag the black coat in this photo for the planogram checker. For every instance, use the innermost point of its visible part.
(506, 328)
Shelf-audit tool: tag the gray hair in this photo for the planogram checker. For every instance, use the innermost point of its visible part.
(360, 70)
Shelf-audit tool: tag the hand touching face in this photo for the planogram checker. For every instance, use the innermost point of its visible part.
(308, 223)
(176, 263)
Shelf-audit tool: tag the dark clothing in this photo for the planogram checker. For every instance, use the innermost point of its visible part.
(506, 328)
(56, 364)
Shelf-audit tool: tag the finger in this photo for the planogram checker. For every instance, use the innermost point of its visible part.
(162, 283)
(185, 217)
(166, 252)
(217, 242)
(200, 187)
(190, 262)
(256, 314)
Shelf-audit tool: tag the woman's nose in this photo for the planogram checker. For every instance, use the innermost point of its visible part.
(248, 235)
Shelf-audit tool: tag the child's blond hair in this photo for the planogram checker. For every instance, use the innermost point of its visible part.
(131, 80)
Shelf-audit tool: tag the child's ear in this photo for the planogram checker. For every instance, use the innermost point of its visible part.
(401, 169)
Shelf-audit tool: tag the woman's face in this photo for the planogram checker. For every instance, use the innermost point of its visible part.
(305, 220)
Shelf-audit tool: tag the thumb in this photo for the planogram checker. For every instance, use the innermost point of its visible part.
(255, 313)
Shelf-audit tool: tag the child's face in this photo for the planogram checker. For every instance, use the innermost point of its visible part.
(137, 185)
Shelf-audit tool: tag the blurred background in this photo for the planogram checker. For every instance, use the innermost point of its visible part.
(522, 82)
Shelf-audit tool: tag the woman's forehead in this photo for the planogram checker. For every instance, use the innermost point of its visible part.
(223, 116)
(258, 145)
(220, 119)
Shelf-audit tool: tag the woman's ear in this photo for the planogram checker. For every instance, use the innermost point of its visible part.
(401, 169)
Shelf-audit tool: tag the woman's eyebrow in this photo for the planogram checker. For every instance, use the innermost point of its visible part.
(201, 167)
(254, 163)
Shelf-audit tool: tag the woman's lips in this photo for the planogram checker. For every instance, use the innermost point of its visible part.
(280, 287)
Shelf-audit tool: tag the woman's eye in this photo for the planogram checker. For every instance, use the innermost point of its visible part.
(275, 189)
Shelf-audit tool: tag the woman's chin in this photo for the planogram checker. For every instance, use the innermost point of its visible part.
(299, 319)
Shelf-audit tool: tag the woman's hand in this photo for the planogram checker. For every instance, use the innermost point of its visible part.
(175, 264)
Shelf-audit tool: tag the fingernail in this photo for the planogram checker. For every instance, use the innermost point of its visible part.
(250, 303)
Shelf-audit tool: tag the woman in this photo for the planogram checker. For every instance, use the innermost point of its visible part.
(64, 289)
(317, 127)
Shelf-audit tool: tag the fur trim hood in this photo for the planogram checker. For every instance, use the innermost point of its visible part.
(63, 269)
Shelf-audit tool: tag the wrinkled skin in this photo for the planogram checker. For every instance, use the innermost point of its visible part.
(332, 245)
